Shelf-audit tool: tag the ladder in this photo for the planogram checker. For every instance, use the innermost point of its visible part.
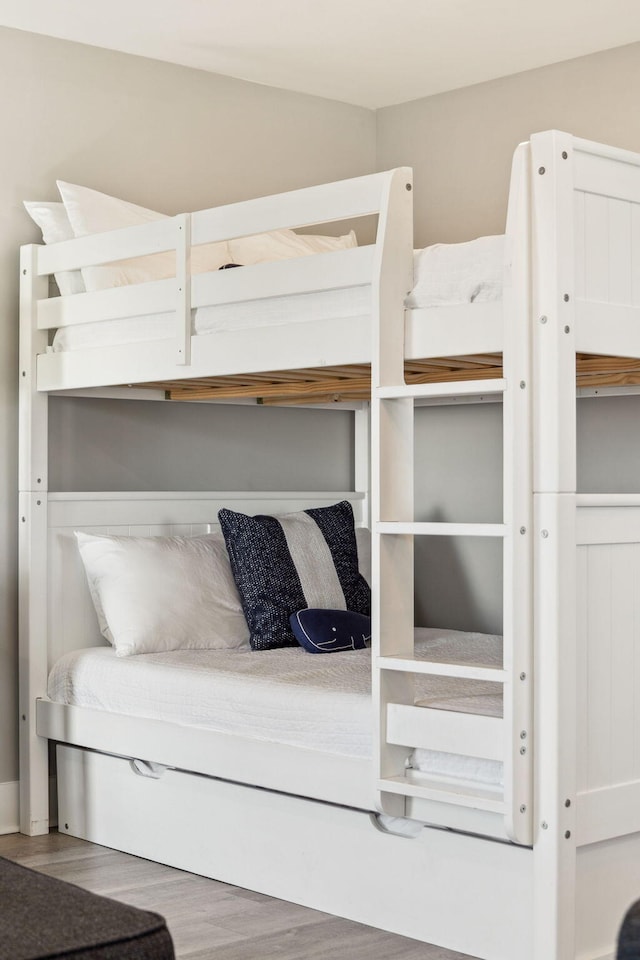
(400, 724)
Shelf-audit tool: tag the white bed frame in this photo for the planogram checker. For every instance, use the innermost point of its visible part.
(544, 872)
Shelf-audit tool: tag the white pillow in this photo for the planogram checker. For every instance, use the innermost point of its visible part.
(53, 221)
(90, 211)
(154, 594)
(283, 244)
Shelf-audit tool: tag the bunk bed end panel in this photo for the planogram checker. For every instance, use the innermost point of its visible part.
(586, 200)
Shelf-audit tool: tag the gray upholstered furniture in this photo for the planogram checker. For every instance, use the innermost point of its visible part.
(41, 917)
(629, 939)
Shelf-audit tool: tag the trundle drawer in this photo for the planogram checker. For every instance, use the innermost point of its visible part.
(438, 887)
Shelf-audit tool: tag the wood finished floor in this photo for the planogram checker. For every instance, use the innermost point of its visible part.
(208, 919)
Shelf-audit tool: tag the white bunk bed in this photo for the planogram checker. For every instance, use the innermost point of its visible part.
(541, 868)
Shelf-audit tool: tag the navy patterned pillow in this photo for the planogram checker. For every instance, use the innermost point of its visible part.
(285, 564)
(329, 631)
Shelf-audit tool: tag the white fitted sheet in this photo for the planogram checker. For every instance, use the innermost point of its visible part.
(445, 274)
(320, 702)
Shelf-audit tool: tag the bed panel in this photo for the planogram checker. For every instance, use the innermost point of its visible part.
(290, 346)
(608, 881)
(608, 251)
(607, 256)
(71, 617)
(608, 669)
(328, 271)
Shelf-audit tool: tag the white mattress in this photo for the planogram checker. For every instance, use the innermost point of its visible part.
(288, 696)
(445, 274)
(274, 311)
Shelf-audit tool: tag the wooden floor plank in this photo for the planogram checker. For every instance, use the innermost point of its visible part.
(210, 920)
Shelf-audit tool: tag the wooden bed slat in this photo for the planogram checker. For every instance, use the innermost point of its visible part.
(353, 382)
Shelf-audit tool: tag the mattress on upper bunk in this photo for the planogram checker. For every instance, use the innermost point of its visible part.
(444, 275)
(285, 695)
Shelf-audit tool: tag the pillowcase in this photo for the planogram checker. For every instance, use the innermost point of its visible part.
(331, 631)
(284, 244)
(154, 594)
(284, 564)
(53, 221)
(90, 211)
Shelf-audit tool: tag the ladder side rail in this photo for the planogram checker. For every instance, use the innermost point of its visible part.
(554, 471)
(32, 566)
(391, 476)
(517, 507)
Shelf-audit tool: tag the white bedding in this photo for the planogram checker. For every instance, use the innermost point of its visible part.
(445, 274)
(288, 695)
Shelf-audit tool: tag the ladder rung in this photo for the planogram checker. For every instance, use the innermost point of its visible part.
(465, 797)
(464, 671)
(441, 529)
(447, 731)
(454, 388)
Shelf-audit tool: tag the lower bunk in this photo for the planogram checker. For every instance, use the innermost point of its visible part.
(281, 799)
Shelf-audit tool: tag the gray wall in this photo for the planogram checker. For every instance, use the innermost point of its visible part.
(143, 445)
(172, 139)
(460, 143)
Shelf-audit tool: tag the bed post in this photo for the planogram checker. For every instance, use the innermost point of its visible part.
(392, 461)
(362, 464)
(33, 489)
(518, 507)
(554, 498)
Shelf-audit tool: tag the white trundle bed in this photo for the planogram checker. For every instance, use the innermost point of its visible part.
(481, 793)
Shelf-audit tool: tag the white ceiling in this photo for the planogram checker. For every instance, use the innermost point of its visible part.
(367, 52)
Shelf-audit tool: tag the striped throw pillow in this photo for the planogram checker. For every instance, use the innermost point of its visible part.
(285, 564)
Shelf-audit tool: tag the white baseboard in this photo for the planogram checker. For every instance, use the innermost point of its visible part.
(9, 807)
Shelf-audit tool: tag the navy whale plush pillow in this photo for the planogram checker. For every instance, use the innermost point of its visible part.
(330, 631)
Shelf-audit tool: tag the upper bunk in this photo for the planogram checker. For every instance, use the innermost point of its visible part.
(306, 329)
